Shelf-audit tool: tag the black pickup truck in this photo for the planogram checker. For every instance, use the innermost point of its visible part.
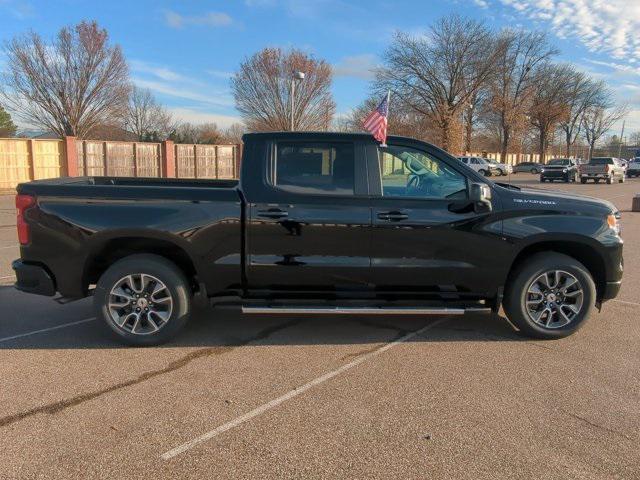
(320, 223)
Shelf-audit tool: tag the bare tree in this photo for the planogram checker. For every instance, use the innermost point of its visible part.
(438, 74)
(262, 91)
(597, 120)
(581, 94)
(512, 84)
(206, 133)
(68, 86)
(145, 117)
(233, 133)
(548, 103)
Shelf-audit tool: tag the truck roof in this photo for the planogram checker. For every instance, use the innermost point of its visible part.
(320, 136)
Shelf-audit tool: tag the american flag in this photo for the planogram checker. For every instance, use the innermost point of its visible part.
(376, 122)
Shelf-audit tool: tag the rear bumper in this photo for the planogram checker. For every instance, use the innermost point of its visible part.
(32, 278)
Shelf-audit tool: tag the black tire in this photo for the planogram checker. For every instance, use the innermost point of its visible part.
(526, 273)
(160, 268)
(542, 180)
(610, 180)
(483, 173)
(583, 181)
(534, 171)
(621, 179)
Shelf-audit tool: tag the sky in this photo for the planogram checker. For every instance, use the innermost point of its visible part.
(185, 51)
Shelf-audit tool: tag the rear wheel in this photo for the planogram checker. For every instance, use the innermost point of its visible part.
(610, 180)
(583, 181)
(534, 170)
(550, 296)
(621, 179)
(143, 299)
(483, 172)
(542, 179)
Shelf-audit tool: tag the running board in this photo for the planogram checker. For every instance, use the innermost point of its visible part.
(361, 311)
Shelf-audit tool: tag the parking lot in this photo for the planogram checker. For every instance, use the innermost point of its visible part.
(345, 397)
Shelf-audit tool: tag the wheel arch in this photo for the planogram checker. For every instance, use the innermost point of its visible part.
(581, 251)
(115, 249)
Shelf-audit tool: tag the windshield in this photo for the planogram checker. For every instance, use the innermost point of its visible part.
(488, 160)
(601, 161)
(559, 162)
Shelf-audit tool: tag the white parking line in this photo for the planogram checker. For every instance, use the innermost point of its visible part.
(9, 246)
(626, 302)
(42, 330)
(292, 394)
(7, 277)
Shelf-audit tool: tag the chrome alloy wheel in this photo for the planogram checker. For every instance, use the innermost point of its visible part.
(554, 299)
(140, 304)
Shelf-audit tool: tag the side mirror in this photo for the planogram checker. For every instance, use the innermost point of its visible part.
(480, 195)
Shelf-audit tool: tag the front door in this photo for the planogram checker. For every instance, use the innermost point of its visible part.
(426, 236)
(308, 227)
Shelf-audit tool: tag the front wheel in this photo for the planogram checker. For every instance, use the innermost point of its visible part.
(143, 299)
(550, 296)
(483, 173)
(610, 180)
(534, 171)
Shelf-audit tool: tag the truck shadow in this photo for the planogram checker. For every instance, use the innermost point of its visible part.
(45, 325)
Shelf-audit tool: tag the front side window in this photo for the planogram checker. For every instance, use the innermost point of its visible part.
(407, 172)
(315, 168)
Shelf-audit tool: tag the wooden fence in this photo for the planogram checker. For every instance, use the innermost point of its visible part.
(22, 160)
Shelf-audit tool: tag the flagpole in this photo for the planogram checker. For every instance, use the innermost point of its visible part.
(384, 144)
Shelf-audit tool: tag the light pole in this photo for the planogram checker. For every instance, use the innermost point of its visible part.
(297, 77)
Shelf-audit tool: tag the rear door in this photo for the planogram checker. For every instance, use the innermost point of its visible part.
(426, 237)
(309, 221)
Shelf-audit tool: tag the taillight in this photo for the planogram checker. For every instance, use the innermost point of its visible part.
(606, 168)
(22, 203)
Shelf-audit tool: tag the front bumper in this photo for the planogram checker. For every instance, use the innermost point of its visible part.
(32, 278)
(611, 290)
(554, 175)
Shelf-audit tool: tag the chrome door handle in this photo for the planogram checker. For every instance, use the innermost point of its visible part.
(392, 216)
(273, 213)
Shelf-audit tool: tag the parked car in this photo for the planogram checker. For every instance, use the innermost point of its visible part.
(480, 165)
(319, 224)
(503, 168)
(633, 170)
(608, 169)
(564, 169)
(530, 167)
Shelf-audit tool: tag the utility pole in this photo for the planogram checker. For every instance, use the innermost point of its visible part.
(621, 137)
(297, 77)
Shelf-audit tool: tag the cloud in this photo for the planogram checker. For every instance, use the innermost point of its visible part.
(220, 74)
(210, 98)
(209, 19)
(203, 116)
(481, 3)
(610, 26)
(17, 8)
(163, 73)
(358, 66)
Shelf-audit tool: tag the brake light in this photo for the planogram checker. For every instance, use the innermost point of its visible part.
(606, 168)
(23, 202)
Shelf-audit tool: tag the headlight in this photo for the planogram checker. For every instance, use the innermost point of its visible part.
(542, 170)
(564, 170)
(613, 221)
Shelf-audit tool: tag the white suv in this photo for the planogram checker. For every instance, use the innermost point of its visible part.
(481, 165)
(504, 168)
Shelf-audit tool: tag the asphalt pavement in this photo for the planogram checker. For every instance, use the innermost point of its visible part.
(345, 397)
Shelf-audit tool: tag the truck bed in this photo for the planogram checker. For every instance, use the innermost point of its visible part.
(131, 187)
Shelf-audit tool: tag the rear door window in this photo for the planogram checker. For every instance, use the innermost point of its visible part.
(315, 168)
